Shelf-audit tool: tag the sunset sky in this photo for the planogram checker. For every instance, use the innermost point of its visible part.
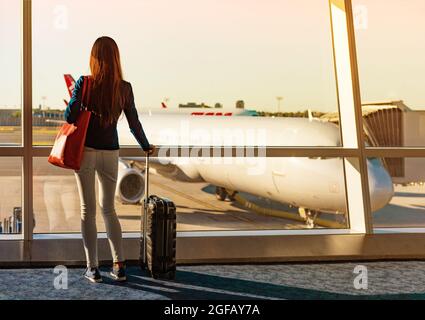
(391, 51)
(218, 50)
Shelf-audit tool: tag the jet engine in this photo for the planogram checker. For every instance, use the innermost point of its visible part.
(130, 184)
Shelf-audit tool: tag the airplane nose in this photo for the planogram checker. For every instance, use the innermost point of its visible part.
(381, 186)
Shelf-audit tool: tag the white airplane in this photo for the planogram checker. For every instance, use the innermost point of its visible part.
(313, 184)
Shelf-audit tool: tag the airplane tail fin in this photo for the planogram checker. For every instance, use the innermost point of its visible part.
(70, 83)
(164, 106)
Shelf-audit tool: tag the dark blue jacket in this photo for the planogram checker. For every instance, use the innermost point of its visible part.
(106, 138)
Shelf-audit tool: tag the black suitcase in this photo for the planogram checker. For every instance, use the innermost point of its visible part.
(158, 241)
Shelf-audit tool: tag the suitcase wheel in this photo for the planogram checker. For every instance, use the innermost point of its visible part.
(171, 275)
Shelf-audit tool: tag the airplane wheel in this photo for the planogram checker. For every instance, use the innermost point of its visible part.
(220, 193)
(309, 216)
(311, 219)
(310, 223)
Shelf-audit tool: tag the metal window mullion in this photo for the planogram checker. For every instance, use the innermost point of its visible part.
(270, 152)
(395, 152)
(350, 114)
(27, 126)
(267, 152)
(359, 118)
(11, 152)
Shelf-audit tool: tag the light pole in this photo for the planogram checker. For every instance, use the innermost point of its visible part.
(44, 98)
(279, 101)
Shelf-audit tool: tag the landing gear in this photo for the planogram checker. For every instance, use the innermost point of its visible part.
(309, 216)
(222, 194)
(231, 195)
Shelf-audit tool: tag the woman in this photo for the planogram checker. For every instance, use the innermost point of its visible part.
(109, 96)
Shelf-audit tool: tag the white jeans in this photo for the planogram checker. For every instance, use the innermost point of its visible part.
(105, 163)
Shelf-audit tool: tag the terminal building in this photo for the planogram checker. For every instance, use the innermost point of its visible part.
(347, 187)
(392, 124)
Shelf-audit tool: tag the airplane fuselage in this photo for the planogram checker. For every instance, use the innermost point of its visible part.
(314, 183)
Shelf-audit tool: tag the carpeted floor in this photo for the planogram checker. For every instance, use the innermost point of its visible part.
(385, 280)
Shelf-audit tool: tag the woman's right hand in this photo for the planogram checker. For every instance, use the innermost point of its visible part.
(151, 150)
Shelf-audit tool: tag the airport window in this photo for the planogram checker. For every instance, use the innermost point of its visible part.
(231, 70)
(11, 196)
(57, 202)
(265, 195)
(392, 68)
(407, 206)
(319, 122)
(249, 63)
(11, 218)
(391, 65)
(10, 78)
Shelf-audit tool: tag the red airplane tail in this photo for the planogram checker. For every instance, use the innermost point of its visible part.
(70, 83)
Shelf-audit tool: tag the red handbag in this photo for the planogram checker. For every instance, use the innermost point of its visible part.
(67, 151)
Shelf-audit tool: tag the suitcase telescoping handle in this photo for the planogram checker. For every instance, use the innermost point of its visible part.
(147, 178)
(145, 208)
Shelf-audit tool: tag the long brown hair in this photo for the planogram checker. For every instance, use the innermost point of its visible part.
(105, 66)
